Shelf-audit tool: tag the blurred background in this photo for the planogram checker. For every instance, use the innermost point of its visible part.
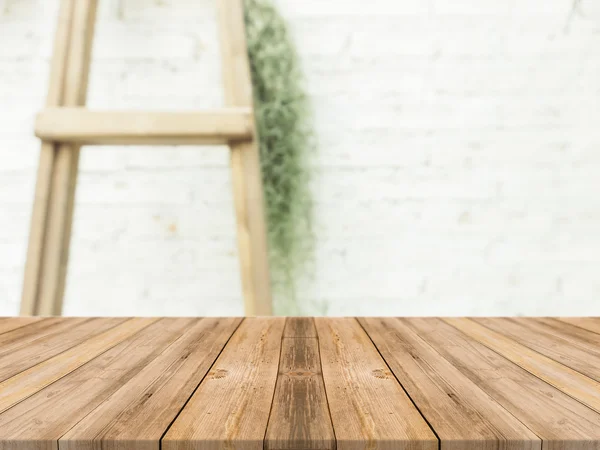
(457, 169)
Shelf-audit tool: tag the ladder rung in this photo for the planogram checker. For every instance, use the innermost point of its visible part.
(83, 126)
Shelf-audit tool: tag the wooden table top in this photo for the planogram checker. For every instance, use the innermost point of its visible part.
(299, 384)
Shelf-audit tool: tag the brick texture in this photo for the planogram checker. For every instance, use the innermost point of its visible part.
(457, 172)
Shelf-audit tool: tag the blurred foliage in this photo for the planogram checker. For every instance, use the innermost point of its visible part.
(284, 123)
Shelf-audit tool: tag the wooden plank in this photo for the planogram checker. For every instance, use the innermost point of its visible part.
(64, 176)
(46, 345)
(12, 323)
(463, 416)
(81, 126)
(299, 327)
(558, 375)
(587, 323)
(38, 422)
(571, 333)
(23, 336)
(369, 409)
(553, 342)
(46, 164)
(300, 417)
(231, 407)
(245, 164)
(36, 333)
(34, 379)
(154, 396)
(562, 422)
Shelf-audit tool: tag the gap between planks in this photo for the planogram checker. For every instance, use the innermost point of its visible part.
(154, 359)
(23, 385)
(572, 382)
(533, 401)
(353, 332)
(299, 417)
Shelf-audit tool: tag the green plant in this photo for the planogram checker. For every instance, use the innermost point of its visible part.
(283, 120)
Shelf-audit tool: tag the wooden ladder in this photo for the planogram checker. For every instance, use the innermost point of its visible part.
(65, 125)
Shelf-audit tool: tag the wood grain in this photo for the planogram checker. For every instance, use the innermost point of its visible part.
(231, 407)
(245, 164)
(587, 323)
(139, 413)
(562, 422)
(556, 342)
(300, 414)
(570, 334)
(50, 342)
(296, 384)
(38, 422)
(299, 327)
(369, 409)
(86, 127)
(8, 324)
(558, 375)
(21, 336)
(32, 380)
(463, 416)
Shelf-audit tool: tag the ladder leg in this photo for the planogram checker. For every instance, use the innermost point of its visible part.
(245, 165)
(46, 165)
(64, 176)
(60, 217)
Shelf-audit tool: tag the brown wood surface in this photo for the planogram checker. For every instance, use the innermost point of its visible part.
(462, 414)
(553, 340)
(299, 327)
(8, 324)
(298, 384)
(26, 383)
(50, 342)
(559, 420)
(143, 408)
(587, 323)
(231, 407)
(22, 335)
(300, 413)
(37, 422)
(368, 406)
(569, 381)
(574, 335)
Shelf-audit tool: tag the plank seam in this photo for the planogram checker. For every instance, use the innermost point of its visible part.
(564, 322)
(548, 331)
(324, 385)
(401, 386)
(181, 336)
(523, 368)
(34, 341)
(106, 399)
(24, 325)
(77, 368)
(543, 356)
(433, 348)
(160, 440)
(65, 350)
(264, 446)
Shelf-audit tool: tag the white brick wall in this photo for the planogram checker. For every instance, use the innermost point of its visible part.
(458, 168)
